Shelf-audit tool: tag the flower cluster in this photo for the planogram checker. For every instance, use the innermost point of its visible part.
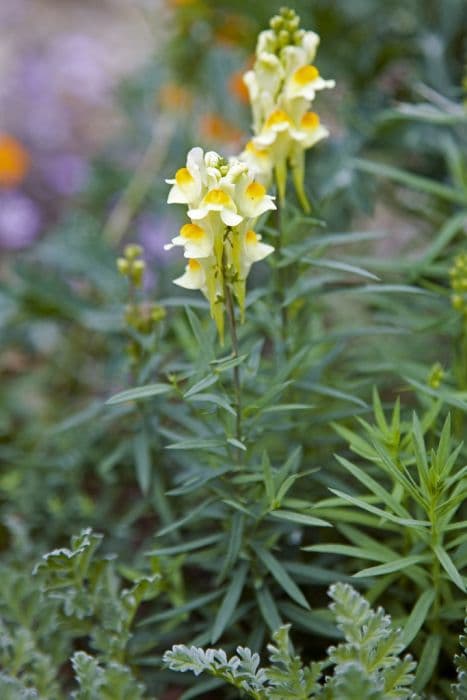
(282, 86)
(458, 274)
(224, 200)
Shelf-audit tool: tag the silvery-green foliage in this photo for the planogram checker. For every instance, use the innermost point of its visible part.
(460, 660)
(96, 682)
(366, 666)
(90, 596)
(81, 594)
(32, 668)
(13, 689)
(372, 646)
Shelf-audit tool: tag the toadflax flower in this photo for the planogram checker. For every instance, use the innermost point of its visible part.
(224, 200)
(282, 85)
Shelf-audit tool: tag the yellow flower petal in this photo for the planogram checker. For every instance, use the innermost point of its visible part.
(310, 120)
(192, 232)
(183, 177)
(217, 197)
(255, 190)
(305, 75)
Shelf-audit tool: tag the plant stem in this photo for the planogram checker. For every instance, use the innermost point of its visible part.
(236, 370)
(281, 277)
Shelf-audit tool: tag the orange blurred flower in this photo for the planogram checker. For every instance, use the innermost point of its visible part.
(238, 88)
(213, 127)
(174, 97)
(14, 161)
(233, 30)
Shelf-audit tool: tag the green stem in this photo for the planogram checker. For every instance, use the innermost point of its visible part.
(436, 570)
(236, 370)
(281, 277)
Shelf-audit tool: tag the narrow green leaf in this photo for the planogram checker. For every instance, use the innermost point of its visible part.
(389, 289)
(229, 602)
(375, 487)
(193, 513)
(196, 444)
(417, 616)
(341, 266)
(212, 398)
(335, 393)
(202, 384)
(276, 569)
(440, 242)
(142, 461)
(317, 621)
(201, 687)
(235, 543)
(392, 566)
(288, 407)
(348, 551)
(227, 363)
(189, 546)
(268, 478)
(448, 566)
(416, 182)
(236, 443)
(139, 392)
(452, 398)
(268, 608)
(301, 518)
(195, 604)
(428, 660)
(378, 511)
(199, 333)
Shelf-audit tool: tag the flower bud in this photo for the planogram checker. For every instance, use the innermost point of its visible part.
(123, 266)
(132, 251)
(137, 272)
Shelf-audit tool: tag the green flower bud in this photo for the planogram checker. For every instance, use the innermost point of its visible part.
(283, 38)
(276, 23)
(435, 376)
(137, 272)
(158, 313)
(123, 266)
(132, 251)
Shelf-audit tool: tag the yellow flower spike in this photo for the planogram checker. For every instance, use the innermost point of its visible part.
(225, 200)
(284, 59)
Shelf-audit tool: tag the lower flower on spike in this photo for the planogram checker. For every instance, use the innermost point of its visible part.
(194, 276)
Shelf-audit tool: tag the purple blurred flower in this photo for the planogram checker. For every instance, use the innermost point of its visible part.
(66, 173)
(20, 221)
(80, 67)
(153, 234)
(11, 13)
